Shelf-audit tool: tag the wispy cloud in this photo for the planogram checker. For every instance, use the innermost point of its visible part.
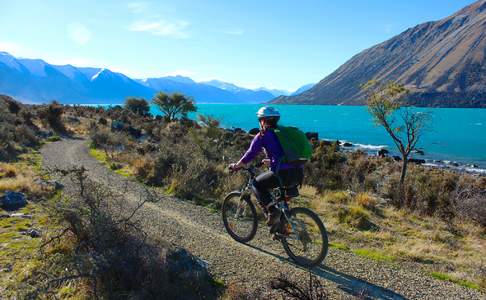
(79, 33)
(175, 29)
(234, 31)
(137, 7)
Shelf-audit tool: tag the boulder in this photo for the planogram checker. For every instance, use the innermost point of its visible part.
(187, 266)
(417, 161)
(254, 131)
(382, 152)
(21, 215)
(34, 233)
(419, 152)
(312, 136)
(13, 200)
(347, 144)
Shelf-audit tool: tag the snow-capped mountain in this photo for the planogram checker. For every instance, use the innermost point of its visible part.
(34, 80)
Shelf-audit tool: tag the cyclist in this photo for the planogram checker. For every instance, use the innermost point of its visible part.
(288, 173)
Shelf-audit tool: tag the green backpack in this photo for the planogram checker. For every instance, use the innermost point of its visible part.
(295, 144)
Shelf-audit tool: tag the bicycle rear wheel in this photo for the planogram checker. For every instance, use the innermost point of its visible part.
(239, 217)
(307, 242)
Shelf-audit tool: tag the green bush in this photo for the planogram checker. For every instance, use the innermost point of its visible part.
(324, 169)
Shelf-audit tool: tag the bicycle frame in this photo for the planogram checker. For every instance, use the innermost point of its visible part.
(277, 194)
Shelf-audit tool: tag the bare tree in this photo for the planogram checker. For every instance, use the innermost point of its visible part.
(404, 125)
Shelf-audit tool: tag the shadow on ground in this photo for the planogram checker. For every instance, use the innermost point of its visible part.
(347, 283)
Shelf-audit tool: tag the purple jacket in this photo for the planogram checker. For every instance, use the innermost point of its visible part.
(268, 142)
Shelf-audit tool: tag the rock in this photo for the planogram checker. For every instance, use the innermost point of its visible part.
(419, 152)
(13, 200)
(417, 161)
(397, 158)
(254, 131)
(347, 144)
(3, 216)
(312, 136)
(33, 233)
(186, 266)
(382, 152)
(20, 215)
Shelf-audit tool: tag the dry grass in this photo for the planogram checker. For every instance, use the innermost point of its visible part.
(366, 200)
(8, 170)
(20, 177)
(401, 235)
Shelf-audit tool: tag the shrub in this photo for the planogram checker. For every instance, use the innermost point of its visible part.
(111, 253)
(324, 169)
(139, 106)
(355, 216)
(337, 197)
(52, 116)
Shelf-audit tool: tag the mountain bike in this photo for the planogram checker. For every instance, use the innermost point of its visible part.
(300, 230)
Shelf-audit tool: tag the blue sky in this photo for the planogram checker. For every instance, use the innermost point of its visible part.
(277, 44)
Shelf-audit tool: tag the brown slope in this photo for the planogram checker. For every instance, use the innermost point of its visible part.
(443, 63)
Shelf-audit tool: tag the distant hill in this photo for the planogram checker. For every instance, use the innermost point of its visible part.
(443, 63)
(36, 81)
(302, 89)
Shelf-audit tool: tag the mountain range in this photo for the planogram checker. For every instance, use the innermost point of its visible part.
(442, 63)
(36, 81)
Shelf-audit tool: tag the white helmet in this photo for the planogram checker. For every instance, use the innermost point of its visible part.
(268, 112)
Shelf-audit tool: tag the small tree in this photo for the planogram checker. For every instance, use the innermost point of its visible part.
(174, 106)
(52, 116)
(404, 126)
(139, 106)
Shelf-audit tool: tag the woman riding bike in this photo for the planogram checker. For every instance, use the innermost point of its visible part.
(280, 173)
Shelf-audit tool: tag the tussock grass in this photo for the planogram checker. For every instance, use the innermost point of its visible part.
(8, 170)
(373, 254)
(355, 216)
(339, 246)
(401, 235)
(448, 277)
(366, 199)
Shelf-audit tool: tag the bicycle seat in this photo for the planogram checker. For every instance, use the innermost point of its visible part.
(291, 190)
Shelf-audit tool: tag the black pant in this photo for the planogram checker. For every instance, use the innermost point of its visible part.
(269, 180)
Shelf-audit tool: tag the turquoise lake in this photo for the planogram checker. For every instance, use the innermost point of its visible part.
(455, 134)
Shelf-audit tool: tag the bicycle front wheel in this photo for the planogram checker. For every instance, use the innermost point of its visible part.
(307, 242)
(239, 217)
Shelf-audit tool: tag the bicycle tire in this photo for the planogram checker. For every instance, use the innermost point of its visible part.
(303, 261)
(254, 225)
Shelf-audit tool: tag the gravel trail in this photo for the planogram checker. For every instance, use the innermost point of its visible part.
(181, 223)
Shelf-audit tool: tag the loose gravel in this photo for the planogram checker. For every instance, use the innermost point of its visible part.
(200, 230)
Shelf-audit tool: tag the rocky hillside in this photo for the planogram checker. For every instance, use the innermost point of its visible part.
(443, 63)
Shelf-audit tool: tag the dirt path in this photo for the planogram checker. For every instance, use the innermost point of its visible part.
(199, 230)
